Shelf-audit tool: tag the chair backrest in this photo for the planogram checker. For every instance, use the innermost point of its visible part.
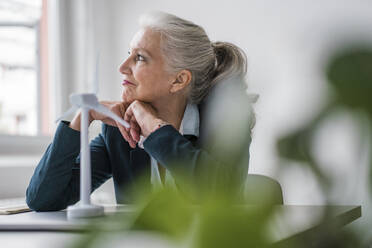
(260, 189)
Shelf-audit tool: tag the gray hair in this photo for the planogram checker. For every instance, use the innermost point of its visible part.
(187, 46)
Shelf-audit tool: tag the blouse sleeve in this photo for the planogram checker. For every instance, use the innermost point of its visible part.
(191, 164)
(56, 179)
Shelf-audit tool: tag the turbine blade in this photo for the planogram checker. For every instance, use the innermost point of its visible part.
(67, 113)
(103, 110)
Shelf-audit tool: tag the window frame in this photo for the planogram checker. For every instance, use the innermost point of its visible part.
(26, 145)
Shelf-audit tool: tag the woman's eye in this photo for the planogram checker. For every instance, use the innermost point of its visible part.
(139, 57)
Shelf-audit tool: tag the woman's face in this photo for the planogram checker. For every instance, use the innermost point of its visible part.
(145, 77)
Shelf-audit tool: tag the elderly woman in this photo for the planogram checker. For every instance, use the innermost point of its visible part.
(171, 67)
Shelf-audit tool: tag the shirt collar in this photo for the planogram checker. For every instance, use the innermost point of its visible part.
(190, 121)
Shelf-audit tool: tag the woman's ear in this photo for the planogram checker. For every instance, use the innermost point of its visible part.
(182, 80)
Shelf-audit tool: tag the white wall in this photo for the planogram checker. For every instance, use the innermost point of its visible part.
(286, 43)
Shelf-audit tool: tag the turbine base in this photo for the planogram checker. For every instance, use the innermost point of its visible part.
(84, 211)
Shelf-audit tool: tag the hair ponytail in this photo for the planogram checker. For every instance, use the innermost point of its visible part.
(230, 61)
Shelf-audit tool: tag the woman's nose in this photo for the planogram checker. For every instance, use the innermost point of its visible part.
(124, 68)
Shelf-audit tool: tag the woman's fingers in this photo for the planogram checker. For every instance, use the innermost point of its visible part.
(142, 119)
(145, 117)
(117, 108)
(135, 130)
(131, 135)
(125, 133)
(128, 115)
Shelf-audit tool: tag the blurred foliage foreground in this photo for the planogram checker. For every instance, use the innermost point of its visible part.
(217, 219)
(349, 75)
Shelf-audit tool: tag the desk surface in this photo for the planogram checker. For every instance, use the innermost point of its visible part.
(288, 221)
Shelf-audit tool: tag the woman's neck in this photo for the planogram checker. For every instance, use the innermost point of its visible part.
(171, 110)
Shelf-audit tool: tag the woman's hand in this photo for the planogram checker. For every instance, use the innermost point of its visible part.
(143, 120)
(116, 107)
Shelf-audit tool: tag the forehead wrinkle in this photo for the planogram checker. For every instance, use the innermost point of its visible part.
(141, 49)
(146, 40)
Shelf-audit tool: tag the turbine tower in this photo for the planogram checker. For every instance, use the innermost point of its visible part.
(86, 102)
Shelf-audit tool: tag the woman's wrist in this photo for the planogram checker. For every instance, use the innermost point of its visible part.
(75, 123)
(158, 124)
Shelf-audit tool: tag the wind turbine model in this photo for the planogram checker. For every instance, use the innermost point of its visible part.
(85, 102)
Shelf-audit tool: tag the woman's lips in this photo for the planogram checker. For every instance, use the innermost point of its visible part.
(126, 82)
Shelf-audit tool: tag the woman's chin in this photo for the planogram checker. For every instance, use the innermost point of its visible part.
(128, 96)
(127, 99)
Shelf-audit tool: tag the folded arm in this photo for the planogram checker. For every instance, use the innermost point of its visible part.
(56, 179)
(193, 165)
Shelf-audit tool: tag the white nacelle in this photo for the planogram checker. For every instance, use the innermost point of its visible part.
(84, 100)
(90, 101)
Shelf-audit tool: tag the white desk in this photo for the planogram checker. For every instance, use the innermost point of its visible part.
(293, 221)
(36, 229)
(52, 221)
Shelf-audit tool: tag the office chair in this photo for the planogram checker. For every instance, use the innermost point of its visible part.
(260, 189)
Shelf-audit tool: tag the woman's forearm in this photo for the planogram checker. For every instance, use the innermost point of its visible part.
(75, 123)
(192, 164)
(55, 182)
(53, 185)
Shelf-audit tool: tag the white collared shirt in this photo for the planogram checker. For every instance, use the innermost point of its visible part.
(189, 126)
